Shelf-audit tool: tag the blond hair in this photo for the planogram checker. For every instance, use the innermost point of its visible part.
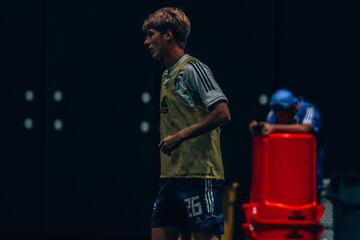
(170, 18)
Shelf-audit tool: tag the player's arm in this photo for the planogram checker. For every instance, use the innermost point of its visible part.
(218, 115)
(309, 124)
(268, 128)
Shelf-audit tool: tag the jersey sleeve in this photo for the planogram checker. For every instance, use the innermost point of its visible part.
(312, 117)
(202, 82)
(271, 118)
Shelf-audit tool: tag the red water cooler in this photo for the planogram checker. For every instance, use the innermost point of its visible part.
(283, 189)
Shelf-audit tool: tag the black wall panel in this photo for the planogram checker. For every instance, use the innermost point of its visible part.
(20, 147)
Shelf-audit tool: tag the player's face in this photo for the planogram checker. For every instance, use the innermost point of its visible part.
(285, 116)
(156, 43)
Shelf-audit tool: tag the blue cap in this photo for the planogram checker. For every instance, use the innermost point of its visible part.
(283, 99)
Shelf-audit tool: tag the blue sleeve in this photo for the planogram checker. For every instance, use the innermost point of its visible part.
(312, 117)
(271, 118)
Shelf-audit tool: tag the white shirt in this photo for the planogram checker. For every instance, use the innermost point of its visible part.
(195, 83)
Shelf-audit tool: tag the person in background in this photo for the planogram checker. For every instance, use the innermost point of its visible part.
(292, 114)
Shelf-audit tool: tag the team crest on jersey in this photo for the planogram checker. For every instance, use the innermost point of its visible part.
(164, 105)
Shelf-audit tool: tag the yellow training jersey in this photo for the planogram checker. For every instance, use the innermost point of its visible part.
(199, 157)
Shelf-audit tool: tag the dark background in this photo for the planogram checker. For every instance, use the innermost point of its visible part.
(96, 178)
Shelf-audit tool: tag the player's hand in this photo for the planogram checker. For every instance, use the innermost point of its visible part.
(255, 127)
(253, 124)
(169, 143)
(266, 128)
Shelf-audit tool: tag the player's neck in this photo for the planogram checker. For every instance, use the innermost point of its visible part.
(173, 57)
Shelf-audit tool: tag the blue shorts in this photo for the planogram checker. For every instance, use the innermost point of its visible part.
(194, 205)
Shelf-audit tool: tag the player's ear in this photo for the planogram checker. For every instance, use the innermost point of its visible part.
(169, 35)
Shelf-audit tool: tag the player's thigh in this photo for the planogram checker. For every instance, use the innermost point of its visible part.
(168, 211)
(165, 233)
(204, 203)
